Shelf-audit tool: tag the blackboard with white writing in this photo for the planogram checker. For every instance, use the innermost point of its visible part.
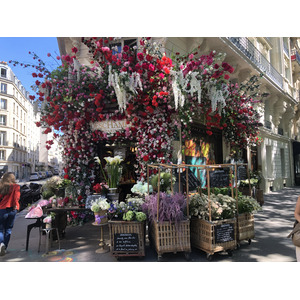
(194, 182)
(218, 178)
(224, 233)
(126, 242)
(241, 173)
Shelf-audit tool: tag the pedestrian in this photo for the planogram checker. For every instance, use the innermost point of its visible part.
(297, 216)
(9, 205)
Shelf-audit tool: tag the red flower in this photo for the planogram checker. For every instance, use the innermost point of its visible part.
(34, 75)
(140, 56)
(146, 158)
(125, 48)
(74, 49)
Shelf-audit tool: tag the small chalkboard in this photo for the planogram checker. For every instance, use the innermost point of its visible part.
(218, 178)
(126, 242)
(241, 173)
(194, 182)
(224, 233)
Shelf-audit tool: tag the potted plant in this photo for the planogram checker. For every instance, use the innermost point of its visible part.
(101, 188)
(247, 206)
(99, 207)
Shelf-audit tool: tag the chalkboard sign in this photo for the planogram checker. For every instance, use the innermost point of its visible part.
(241, 173)
(194, 182)
(218, 178)
(224, 233)
(126, 242)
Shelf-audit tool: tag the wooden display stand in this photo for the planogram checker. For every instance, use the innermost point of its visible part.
(168, 237)
(214, 236)
(245, 221)
(127, 238)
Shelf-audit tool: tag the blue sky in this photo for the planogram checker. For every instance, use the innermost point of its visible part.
(17, 48)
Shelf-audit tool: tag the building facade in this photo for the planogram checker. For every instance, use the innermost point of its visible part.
(277, 158)
(18, 134)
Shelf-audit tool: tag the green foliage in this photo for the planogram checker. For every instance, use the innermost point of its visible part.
(47, 194)
(247, 204)
(165, 181)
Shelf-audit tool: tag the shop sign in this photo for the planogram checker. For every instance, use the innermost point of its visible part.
(126, 242)
(224, 233)
(110, 126)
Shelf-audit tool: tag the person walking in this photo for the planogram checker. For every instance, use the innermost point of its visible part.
(297, 217)
(9, 205)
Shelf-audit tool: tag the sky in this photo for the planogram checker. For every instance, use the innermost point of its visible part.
(17, 48)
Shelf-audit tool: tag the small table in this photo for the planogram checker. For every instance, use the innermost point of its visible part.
(102, 245)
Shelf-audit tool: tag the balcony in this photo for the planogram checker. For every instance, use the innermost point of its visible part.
(255, 56)
(295, 56)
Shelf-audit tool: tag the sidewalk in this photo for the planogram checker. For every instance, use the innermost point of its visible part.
(272, 225)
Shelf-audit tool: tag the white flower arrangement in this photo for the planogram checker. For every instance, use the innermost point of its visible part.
(141, 188)
(99, 204)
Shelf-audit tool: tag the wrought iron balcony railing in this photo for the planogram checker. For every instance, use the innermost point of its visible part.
(248, 49)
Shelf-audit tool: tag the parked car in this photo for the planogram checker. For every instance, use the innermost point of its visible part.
(56, 172)
(34, 176)
(40, 175)
(44, 175)
(50, 174)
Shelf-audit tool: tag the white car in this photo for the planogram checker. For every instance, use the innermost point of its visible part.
(34, 176)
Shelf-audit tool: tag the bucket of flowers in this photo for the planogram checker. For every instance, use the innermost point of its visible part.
(213, 223)
(247, 206)
(169, 226)
(127, 227)
(100, 207)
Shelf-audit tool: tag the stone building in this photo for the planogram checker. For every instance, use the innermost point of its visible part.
(278, 58)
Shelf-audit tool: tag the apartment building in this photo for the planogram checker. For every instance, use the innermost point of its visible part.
(19, 146)
(278, 58)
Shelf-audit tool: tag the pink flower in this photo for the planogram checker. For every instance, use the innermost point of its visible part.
(49, 54)
(161, 75)
(151, 67)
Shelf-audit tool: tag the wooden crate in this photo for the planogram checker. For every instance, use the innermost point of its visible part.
(168, 237)
(206, 235)
(245, 227)
(127, 238)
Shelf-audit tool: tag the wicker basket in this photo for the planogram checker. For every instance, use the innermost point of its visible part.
(203, 235)
(133, 232)
(168, 237)
(245, 226)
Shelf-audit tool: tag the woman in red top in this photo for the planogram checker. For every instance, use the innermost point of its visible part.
(9, 205)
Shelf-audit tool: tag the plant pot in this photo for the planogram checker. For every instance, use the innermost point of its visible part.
(113, 195)
(101, 217)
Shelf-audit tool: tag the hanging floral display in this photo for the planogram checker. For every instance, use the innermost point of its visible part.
(152, 94)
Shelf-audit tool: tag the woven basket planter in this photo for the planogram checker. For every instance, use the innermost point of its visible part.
(127, 238)
(170, 238)
(246, 227)
(204, 235)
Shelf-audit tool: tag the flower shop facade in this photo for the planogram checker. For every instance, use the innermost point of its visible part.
(272, 155)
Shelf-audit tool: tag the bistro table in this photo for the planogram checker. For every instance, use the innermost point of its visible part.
(61, 216)
(103, 247)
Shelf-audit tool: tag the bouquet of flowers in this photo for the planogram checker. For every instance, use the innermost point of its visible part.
(141, 188)
(114, 170)
(101, 188)
(130, 210)
(222, 206)
(99, 204)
